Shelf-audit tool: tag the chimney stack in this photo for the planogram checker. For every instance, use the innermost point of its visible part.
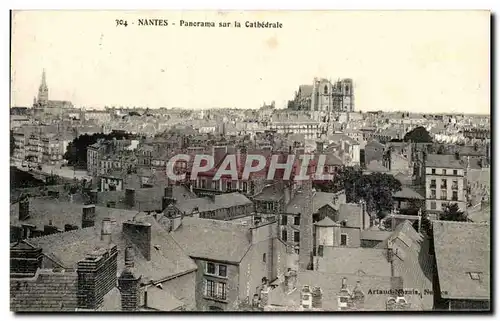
(130, 197)
(290, 280)
(93, 196)
(96, 277)
(317, 298)
(88, 216)
(106, 230)
(129, 284)
(358, 295)
(139, 233)
(24, 209)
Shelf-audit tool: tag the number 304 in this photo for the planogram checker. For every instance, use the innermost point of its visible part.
(120, 22)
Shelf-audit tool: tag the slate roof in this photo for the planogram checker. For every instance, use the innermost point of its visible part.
(43, 210)
(167, 257)
(326, 222)
(47, 291)
(206, 204)
(351, 213)
(408, 193)
(412, 262)
(462, 248)
(375, 166)
(331, 284)
(375, 235)
(213, 239)
(321, 199)
(443, 161)
(361, 261)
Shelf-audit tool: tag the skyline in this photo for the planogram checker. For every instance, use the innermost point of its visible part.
(446, 59)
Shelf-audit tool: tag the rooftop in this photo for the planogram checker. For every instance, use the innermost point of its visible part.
(463, 259)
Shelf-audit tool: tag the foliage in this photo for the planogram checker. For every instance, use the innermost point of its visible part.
(76, 151)
(418, 135)
(376, 189)
(134, 113)
(452, 213)
(12, 142)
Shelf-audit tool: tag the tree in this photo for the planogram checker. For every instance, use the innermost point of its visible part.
(452, 213)
(418, 135)
(76, 151)
(375, 189)
(12, 142)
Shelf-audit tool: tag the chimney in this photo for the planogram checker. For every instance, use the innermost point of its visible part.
(358, 295)
(169, 192)
(96, 277)
(24, 209)
(93, 197)
(88, 216)
(319, 147)
(129, 284)
(24, 260)
(106, 230)
(290, 280)
(130, 197)
(139, 233)
(317, 298)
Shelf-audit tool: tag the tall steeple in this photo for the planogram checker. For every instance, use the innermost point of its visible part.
(43, 92)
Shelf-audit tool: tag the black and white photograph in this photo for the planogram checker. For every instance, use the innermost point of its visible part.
(250, 161)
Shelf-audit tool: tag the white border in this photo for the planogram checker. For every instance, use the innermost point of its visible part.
(492, 5)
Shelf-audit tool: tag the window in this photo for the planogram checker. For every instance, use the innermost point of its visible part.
(284, 235)
(444, 171)
(264, 258)
(245, 187)
(433, 193)
(296, 220)
(433, 205)
(433, 183)
(228, 186)
(210, 268)
(444, 194)
(454, 196)
(222, 270)
(325, 90)
(216, 290)
(296, 236)
(433, 171)
(455, 172)
(343, 239)
(475, 276)
(444, 183)
(284, 220)
(454, 184)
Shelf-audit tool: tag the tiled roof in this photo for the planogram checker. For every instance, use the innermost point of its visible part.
(213, 239)
(462, 248)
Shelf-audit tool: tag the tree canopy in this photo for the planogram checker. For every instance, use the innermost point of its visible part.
(418, 135)
(76, 151)
(453, 213)
(376, 189)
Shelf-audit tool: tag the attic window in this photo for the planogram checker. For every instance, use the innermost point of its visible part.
(475, 276)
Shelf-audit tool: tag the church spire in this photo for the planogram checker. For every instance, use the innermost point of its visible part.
(44, 83)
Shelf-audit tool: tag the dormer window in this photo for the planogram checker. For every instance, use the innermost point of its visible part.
(476, 276)
(326, 90)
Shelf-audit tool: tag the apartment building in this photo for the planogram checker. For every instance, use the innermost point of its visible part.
(445, 182)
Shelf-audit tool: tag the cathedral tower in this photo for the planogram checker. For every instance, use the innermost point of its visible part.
(43, 92)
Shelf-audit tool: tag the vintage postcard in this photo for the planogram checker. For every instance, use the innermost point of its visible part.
(255, 161)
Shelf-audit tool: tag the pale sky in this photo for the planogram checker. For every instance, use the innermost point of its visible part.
(422, 61)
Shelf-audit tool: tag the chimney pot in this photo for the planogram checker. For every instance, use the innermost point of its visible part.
(106, 230)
